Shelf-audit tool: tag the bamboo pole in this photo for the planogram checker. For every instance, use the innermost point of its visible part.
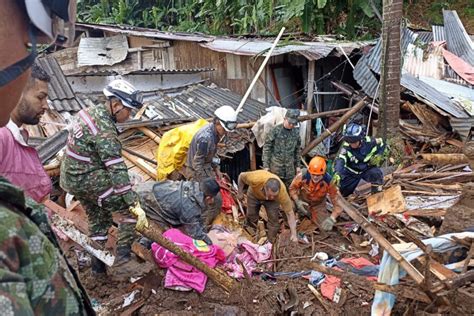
(148, 132)
(259, 72)
(155, 233)
(328, 132)
(384, 243)
(140, 163)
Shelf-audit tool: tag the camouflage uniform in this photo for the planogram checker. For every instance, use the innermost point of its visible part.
(282, 151)
(202, 149)
(94, 171)
(35, 278)
(179, 204)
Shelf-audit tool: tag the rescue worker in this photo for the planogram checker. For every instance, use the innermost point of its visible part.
(20, 162)
(35, 278)
(309, 190)
(360, 158)
(265, 188)
(94, 171)
(282, 148)
(188, 205)
(201, 161)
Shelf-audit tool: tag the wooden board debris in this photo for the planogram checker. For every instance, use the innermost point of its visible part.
(387, 202)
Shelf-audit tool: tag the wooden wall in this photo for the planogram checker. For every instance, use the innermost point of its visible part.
(231, 71)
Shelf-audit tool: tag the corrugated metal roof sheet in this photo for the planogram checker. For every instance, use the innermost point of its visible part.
(457, 39)
(252, 47)
(369, 65)
(426, 61)
(59, 91)
(432, 95)
(438, 33)
(425, 37)
(144, 32)
(200, 102)
(106, 72)
(462, 125)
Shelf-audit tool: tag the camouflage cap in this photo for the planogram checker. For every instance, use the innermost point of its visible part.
(292, 116)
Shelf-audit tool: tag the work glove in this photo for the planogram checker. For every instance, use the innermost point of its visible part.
(336, 179)
(301, 207)
(328, 224)
(376, 160)
(139, 213)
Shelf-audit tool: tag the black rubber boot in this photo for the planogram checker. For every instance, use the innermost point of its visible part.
(97, 266)
(376, 188)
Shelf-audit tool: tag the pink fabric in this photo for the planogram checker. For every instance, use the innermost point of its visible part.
(21, 166)
(330, 283)
(249, 254)
(181, 275)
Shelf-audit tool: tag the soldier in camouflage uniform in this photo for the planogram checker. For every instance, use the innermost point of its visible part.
(201, 161)
(188, 205)
(35, 278)
(282, 148)
(94, 171)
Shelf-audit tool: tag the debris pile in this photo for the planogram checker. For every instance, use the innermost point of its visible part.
(405, 249)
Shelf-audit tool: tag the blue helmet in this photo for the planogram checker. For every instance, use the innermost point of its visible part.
(353, 133)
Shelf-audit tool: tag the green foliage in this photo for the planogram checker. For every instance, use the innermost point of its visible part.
(261, 17)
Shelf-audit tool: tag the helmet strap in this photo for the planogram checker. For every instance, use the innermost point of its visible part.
(12, 72)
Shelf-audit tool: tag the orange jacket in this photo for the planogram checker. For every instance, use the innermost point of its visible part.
(303, 188)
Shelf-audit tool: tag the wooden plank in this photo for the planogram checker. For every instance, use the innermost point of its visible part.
(77, 215)
(387, 202)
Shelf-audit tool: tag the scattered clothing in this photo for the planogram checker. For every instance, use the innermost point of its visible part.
(20, 163)
(180, 275)
(249, 254)
(331, 283)
(390, 271)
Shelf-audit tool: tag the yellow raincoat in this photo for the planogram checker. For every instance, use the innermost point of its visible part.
(173, 148)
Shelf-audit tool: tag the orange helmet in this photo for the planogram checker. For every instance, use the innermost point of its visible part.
(317, 166)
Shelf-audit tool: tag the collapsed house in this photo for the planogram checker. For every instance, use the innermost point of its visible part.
(187, 76)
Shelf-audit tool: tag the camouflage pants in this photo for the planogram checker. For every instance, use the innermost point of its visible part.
(100, 219)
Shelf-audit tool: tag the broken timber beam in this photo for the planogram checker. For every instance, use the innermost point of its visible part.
(155, 233)
(303, 118)
(382, 241)
(334, 127)
(444, 159)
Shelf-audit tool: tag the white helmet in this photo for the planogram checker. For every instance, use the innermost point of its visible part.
(125, 92)
(227, 116)
(46, 16)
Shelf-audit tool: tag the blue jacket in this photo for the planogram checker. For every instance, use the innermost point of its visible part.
(358, 160)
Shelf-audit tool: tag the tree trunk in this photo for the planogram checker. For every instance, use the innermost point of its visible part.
(391, 69)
